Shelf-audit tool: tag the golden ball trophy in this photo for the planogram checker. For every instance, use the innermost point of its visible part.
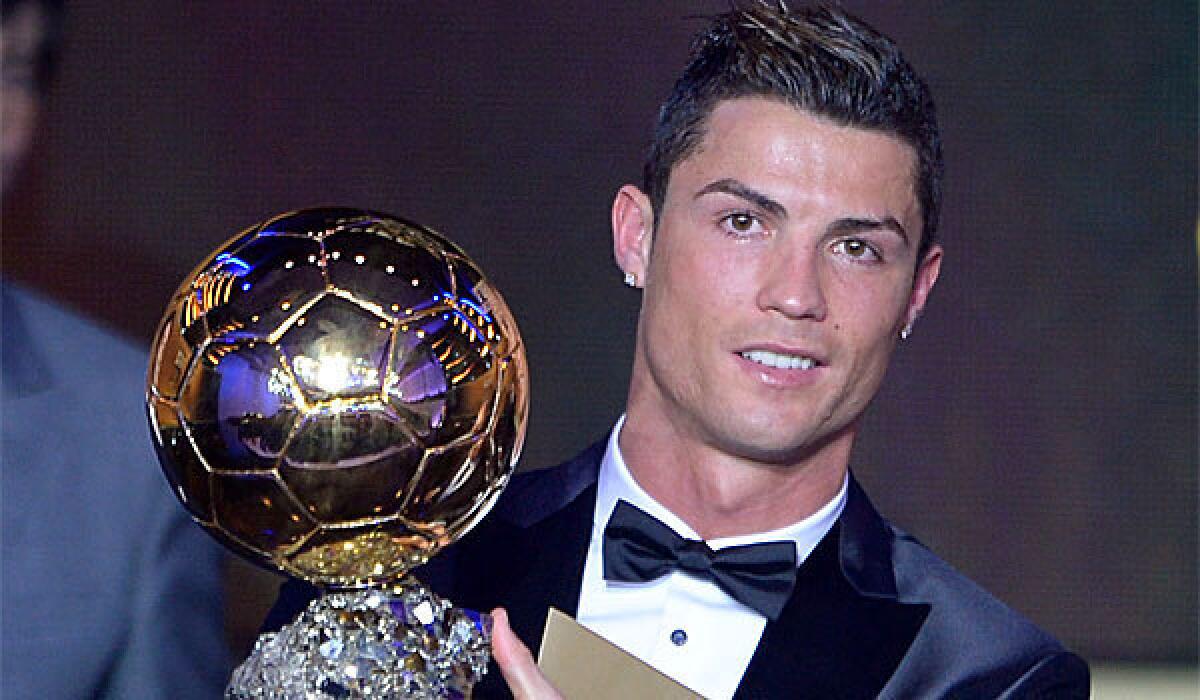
(337, 394)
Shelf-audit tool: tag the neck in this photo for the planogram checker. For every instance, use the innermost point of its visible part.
(724, 495)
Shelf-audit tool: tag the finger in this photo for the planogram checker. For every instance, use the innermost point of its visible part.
(524, 678)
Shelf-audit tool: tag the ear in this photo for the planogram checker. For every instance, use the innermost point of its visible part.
(633, 232)
(924, 278)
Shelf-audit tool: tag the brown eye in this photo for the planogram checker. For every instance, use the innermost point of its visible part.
(856, 248)
(741, 224)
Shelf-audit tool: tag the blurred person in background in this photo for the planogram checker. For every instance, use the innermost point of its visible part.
(107, 589)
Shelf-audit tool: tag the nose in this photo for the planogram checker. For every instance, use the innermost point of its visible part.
(792, 284)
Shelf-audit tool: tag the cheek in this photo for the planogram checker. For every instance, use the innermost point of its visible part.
(867, 335)
(696, 274)
(868, 299)
(866, 316)
(688, 309)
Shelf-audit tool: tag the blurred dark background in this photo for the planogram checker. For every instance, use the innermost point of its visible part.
(1039, 430)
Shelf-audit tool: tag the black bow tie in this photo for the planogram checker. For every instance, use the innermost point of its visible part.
(639, 548)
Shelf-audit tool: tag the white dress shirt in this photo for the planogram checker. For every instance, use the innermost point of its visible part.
(684, 626)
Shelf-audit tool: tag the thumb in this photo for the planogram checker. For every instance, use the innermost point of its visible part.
(522, 674)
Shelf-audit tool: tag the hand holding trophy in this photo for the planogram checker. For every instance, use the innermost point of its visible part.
(337, 394)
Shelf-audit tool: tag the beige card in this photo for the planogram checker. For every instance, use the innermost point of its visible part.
(585, 666)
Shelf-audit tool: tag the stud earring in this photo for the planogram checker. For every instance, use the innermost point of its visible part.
(630, 279)
(906, 331)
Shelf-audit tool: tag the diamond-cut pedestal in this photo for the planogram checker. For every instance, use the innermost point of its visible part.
(402, 643)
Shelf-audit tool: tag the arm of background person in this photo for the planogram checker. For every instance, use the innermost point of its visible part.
(175, 646)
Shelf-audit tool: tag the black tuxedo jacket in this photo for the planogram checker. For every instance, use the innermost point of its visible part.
(874, 613)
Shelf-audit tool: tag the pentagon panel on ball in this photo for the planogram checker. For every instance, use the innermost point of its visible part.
(337, 394)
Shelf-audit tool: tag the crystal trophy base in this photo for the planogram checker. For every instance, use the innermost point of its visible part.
(399, 643)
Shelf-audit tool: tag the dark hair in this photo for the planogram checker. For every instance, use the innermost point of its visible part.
(821, 60)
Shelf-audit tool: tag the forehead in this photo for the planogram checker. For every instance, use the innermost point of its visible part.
(789, 152)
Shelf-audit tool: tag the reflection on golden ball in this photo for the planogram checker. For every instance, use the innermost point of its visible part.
(338, 394)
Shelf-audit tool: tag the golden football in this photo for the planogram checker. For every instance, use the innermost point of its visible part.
(337, 394)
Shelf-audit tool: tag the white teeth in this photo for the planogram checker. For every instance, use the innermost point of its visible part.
(774, 359)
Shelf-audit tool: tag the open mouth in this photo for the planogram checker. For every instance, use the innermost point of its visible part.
(779, 360)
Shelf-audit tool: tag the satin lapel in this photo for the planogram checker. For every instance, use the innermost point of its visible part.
(547, 567)
(550, 513)
(528, 555)
(843, 633)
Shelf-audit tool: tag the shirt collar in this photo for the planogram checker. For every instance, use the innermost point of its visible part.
(617, 483)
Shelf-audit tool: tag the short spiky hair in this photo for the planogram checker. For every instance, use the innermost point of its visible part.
(821, 60)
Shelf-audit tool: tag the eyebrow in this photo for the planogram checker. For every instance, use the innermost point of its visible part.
(854, 224)
(841, 226)
(741, 191)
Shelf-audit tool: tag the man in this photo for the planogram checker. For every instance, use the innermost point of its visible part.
(108, 591)
(784, 240)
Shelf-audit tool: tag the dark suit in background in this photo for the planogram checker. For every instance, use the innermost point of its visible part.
(874, 613)
(109, 591)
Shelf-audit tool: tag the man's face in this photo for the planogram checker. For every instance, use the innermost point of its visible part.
(776, 284)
